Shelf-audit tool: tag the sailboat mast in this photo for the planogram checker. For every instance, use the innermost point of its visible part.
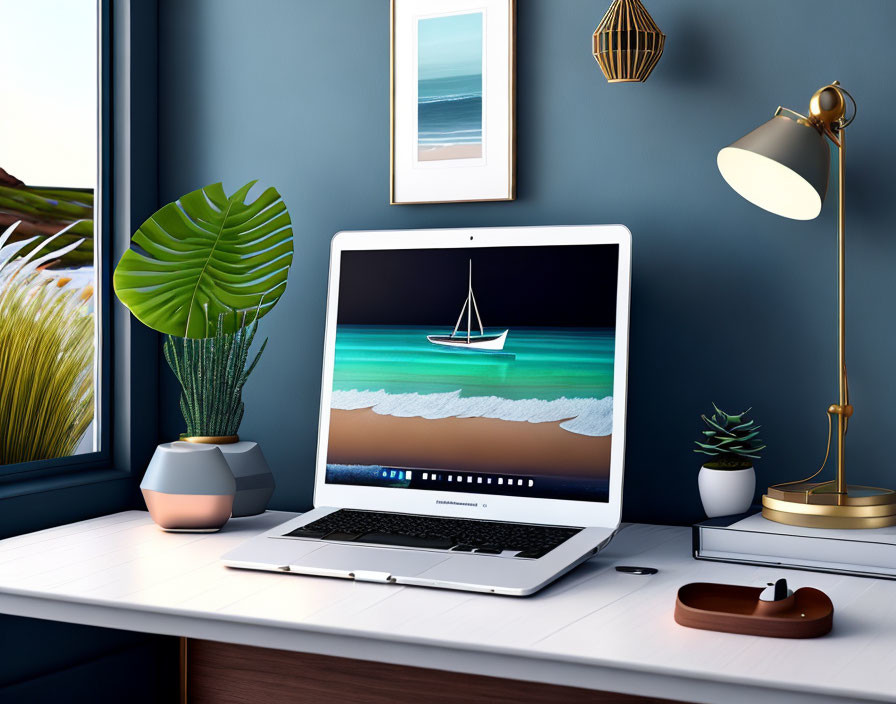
(469, 296)
(476, 310)
(459, 318)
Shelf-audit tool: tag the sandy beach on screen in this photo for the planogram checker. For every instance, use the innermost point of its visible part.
(451, 151)
(465, 444)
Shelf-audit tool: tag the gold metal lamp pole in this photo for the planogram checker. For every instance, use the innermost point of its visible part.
(782, 166)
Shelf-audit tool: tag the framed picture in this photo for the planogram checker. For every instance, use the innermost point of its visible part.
(453, 101)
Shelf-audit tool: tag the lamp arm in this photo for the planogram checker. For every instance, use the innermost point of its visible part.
(843, 410)
(844, 123)
(792, 113)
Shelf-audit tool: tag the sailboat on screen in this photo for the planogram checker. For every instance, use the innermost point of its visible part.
(483, 342)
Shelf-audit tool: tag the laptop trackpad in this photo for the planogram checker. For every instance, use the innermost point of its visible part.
(405, 563)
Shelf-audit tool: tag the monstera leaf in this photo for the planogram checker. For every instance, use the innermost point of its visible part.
(207, 257)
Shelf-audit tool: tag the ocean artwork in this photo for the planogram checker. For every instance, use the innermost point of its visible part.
(453, 101)
(449, 87)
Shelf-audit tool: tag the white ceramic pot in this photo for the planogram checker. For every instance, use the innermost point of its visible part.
(725, 492)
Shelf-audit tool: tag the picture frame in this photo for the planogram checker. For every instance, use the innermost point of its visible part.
(453, 101)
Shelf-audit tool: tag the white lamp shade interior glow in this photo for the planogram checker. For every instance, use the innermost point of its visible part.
(769, 184)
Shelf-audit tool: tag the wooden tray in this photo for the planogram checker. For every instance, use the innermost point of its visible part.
(807, 613)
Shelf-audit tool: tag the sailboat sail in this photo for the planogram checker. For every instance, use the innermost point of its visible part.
(472, 342)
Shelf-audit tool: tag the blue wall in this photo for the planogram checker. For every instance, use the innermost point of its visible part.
(729, 303)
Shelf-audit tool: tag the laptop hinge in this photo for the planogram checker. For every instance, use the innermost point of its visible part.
(369, 576)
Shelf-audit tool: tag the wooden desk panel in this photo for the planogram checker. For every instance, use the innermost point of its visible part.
(222, 673)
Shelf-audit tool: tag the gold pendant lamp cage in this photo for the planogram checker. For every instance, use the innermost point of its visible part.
(627, 42)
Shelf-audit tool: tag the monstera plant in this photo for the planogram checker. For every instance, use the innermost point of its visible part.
(203, 270)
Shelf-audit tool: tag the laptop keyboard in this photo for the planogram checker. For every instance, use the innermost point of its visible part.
(428, 532)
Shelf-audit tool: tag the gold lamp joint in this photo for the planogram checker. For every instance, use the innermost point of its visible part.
(838, 410)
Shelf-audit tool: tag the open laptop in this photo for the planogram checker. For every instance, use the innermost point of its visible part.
(472, 412)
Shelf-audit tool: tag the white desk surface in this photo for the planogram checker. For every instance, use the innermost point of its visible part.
(595, 628)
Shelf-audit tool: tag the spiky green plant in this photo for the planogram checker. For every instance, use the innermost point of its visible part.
(731, 440)
(212, 372)
(46, 356)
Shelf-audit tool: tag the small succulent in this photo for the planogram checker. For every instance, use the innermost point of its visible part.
(731, 440)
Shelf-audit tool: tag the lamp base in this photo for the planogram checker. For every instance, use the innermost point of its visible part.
(818, 505)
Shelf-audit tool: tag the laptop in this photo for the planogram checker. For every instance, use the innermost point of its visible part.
(472, 418)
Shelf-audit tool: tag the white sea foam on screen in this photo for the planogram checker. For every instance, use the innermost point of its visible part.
(584, 416)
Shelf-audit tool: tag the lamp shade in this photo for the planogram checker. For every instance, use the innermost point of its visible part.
(781, 166)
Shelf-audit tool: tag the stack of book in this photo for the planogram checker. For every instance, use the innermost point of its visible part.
(751, 539)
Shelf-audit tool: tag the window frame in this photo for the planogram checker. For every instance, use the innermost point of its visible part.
(38, 495)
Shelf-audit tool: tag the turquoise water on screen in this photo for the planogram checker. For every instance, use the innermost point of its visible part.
(536, 363)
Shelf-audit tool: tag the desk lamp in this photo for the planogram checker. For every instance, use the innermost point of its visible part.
(782, 166)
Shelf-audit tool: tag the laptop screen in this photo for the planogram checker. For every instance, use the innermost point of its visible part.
(482, 370)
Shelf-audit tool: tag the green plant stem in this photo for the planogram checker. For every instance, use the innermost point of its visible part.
(212, 372)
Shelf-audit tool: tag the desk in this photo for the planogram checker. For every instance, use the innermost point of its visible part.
(594, 629)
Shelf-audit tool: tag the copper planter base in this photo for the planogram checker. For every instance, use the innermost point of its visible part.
(188, 513)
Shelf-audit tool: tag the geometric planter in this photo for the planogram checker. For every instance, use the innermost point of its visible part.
(188, 488)
(254, 480)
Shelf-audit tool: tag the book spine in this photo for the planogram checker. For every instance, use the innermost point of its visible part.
(802, 552)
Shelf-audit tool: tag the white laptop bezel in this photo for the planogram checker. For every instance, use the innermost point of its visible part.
(471, 505)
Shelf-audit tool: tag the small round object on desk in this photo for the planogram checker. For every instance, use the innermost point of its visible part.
(629, 569)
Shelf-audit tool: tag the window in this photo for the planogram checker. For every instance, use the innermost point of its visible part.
(52, 259)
